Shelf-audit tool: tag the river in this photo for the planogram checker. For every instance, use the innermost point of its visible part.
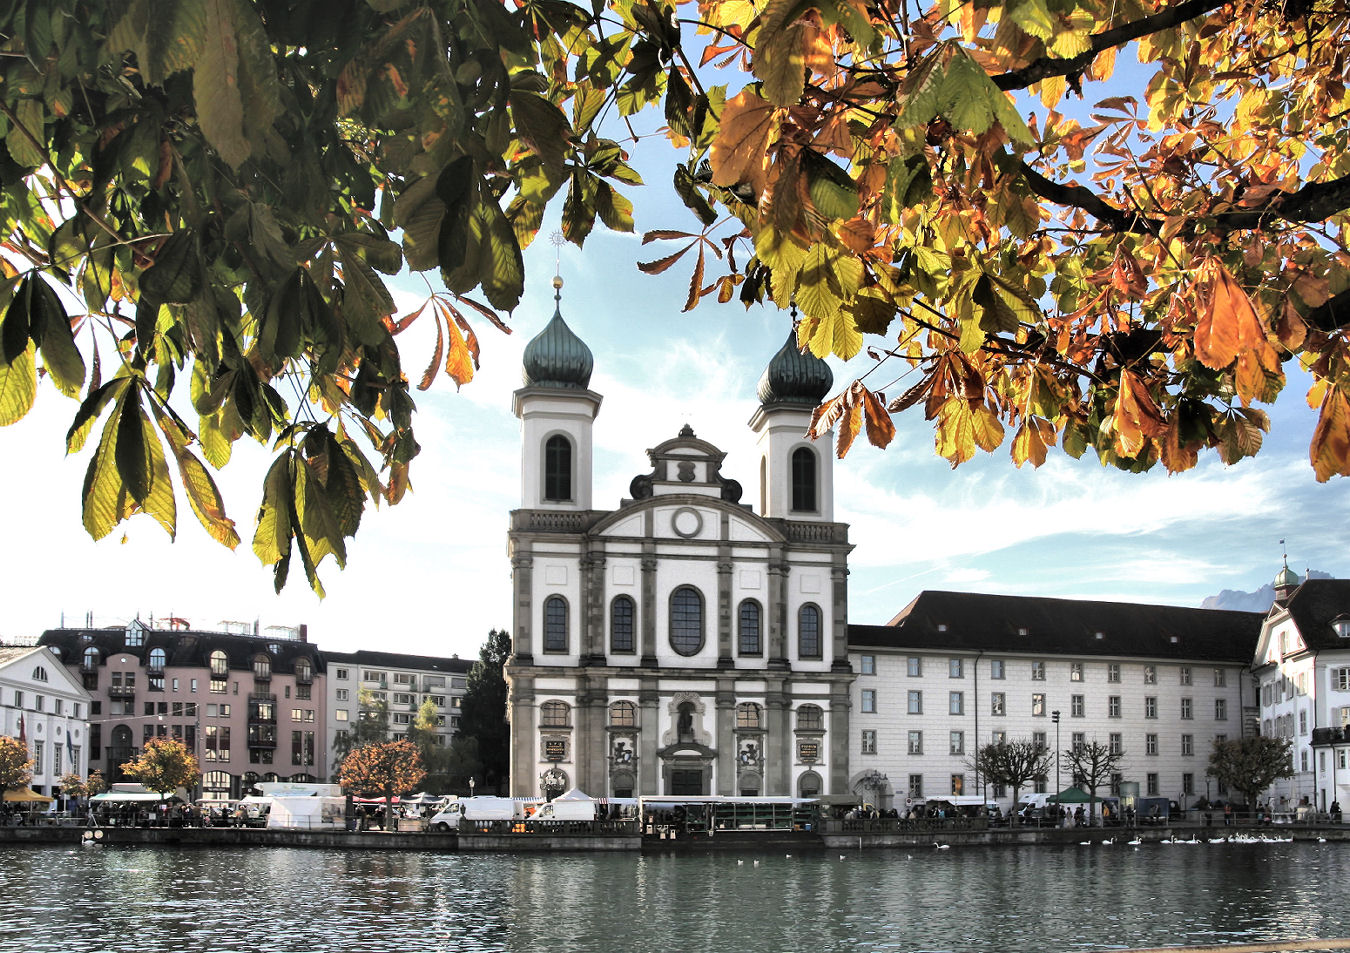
(1000, 900)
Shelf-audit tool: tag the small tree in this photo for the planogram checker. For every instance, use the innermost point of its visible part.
(1250, 765)
(383, 770)
(16, 765)
(483, 717)
(370, 727)
(1092, 764)
(1012, 763)
(164, 765)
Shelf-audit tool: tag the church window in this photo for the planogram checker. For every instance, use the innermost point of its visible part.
(808, 632)
(555, 624)
(623, 715)
(810, 718)
(749, 628)
(686, 620)
(748, 715)
(804, 480)
(555, 715)
(558, 468)
(621, 612)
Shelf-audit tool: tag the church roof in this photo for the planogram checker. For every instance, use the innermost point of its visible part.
(556, 357)
(795, 378)
(981, 622)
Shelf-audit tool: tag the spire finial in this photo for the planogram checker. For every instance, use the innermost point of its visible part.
(557, 239)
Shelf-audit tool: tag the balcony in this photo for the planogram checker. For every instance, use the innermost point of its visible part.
(122, 691)
(262, 736)
(1330, 736)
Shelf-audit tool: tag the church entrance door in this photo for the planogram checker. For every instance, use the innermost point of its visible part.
(686, 783)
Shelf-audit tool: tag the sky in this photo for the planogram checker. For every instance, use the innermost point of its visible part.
(431, 576)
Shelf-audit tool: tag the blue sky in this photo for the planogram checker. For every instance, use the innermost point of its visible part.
(431, 575)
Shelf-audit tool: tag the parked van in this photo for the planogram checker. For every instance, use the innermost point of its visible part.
(560, 810)
(481, 808)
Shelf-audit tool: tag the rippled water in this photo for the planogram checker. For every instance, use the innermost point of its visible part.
(1038, 900)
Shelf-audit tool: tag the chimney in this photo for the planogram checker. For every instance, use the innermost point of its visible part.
(304, 632)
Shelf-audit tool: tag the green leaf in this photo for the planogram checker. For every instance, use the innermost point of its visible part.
(105, 500)
(272, 538)
(215, 85)
(995, 315)
(833, 191)
(176, 275)
(90, 410)
(615, 210)
(418, 211)
(18, 387)
(30, 118)
(133, 455)
(544, 128)
(16, 330)
(60, 356)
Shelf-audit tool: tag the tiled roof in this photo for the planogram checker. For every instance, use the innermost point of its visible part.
(184, 648)
(980, 622)
(1314, 605)
(429, 663)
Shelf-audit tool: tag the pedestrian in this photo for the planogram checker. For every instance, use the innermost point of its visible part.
(1228, 815)
(1336, 811)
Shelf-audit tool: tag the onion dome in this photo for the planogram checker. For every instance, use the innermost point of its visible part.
(556, 357)
(1286, 578)
(795, 378)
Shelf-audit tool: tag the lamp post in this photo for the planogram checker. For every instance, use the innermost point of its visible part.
(1054, 716)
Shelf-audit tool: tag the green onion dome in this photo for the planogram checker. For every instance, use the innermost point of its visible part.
(795, 378)
(556, 357)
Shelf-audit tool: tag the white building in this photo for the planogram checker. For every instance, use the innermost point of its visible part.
(1302, 663)
(402, 682)
(44, 705)
(683, 642)
(956, 671)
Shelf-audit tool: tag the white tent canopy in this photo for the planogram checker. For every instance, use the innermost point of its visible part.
(308, 813)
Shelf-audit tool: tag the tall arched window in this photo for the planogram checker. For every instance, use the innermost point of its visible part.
(262, 666)
(808, 632)
(220, 664)
(748, 628)
(748, 716)
(621, 613)
(804, 488)
(91, 659)
(810, 718)
(555, 714)
(623, 715)
(304, 671)
(157, 658)
(555, 624)
(557, 468)
(686, 620)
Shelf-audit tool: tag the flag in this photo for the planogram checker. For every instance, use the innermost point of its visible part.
(23, 736)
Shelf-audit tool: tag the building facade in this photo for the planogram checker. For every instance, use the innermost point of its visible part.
(44, 706)
(1302, 666)
(683, 642)
(245, 705)
(402, 682)
(956, 671)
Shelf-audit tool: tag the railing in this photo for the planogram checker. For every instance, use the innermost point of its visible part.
(544, 521)
(1329, 736)
(122, 691)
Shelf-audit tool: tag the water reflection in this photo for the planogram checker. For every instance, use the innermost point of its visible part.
(1001, 901)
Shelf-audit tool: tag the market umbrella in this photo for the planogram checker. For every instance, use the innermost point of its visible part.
(26, 796)
(1071, 796)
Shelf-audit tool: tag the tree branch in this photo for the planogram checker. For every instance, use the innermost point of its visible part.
(1332, 315)
(1047, 66)
(1079, 196)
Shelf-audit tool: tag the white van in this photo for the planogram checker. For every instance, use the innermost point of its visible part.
(481, 808)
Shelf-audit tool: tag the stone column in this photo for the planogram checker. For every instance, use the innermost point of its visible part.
(524, 735)
(522, 579)
(726, 612)
(778, 753)
(777, 611)
(649, 737)
(841, 707)
(649, 607)
(725, 742)
(592, 754)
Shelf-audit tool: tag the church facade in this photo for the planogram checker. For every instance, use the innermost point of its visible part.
(685, 642)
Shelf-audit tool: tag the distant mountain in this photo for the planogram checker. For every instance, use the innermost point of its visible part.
(1258, 601)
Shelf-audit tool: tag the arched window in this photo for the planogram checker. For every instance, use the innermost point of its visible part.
(157, 658)
(220, 664)
(808, 785)
(623, 715)
(808, 632)
(39, 674)
(262, 666)
(810, 718)
(748, 716)
(557, 468)
(555, 624)
(686, 620)
(748, 628)
(304, 671)
(216, 783)
(90, 660)
(555, 715)
(621, 612)
(804, 480)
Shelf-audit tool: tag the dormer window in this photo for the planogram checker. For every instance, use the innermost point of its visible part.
(1341, 625)
(157, 659)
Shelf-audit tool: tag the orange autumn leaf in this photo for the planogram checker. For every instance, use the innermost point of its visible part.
(741, 151)
(1227, 321)
(1330, 447)
(1136, 417)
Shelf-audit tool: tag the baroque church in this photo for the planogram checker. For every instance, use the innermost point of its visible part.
(687, 641)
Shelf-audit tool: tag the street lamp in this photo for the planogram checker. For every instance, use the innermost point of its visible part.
(1054, 716)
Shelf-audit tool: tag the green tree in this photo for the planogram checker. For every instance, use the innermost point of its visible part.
(1012, 763)
(164, 765)
(200, 200)
(16, 765)
(383, 769)
(1250, 765)
(1091, 766)
(423, 732)
(370, 727)
(483, 716)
